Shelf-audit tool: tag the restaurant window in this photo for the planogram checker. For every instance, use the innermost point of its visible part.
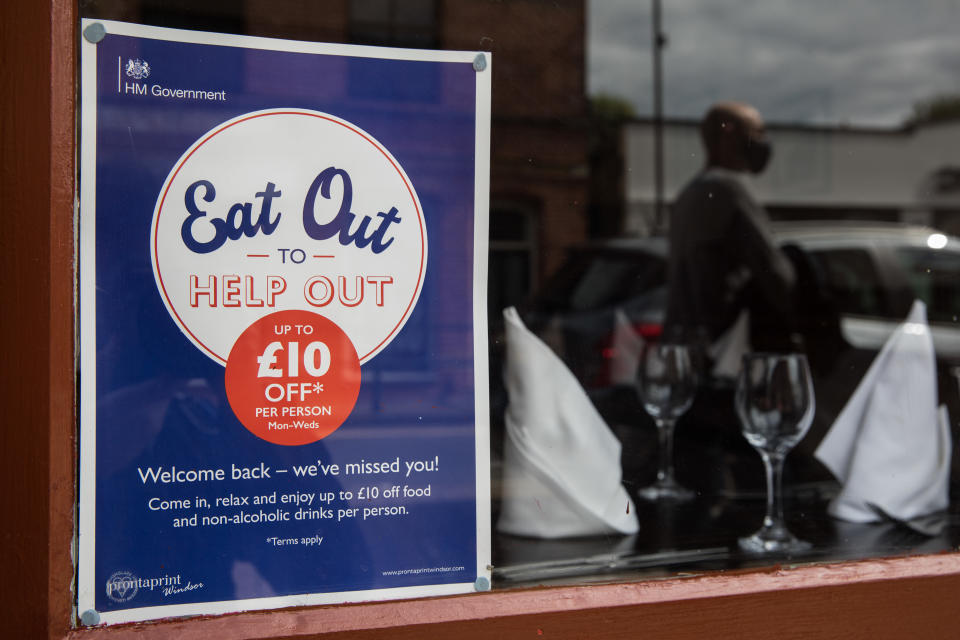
(595, 293)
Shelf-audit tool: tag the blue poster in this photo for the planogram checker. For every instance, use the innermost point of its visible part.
(282, 323)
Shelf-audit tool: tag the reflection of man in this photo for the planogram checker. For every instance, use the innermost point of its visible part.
(723, 261)
(722, 258)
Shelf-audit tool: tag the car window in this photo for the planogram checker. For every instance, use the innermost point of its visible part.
(610, 279)
(852, 281)
(599, 283)
(934, 276)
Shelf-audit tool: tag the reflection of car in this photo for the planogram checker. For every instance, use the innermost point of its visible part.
(868, 274)
(873, 273)
(577, 305)
(856, 283)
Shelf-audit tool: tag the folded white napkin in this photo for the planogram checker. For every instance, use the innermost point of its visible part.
(561, 474)
(627, 347)
(890, 446)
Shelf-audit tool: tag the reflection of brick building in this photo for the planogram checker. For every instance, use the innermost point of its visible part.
(539, 134)
(539, 137)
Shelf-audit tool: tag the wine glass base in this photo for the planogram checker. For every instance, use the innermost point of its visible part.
(666, 492)
(773, 541)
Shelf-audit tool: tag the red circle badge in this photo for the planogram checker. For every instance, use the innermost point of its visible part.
(293, 377)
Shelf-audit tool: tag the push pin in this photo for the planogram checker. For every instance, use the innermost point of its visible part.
(95, 33)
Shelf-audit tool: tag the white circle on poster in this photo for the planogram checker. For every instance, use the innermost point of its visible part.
(288, 209)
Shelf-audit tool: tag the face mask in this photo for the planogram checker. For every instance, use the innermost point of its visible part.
(757, 154)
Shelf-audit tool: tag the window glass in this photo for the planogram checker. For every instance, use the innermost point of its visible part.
(408, 23)
(742, 177)
(935, 277)
(612, 280)
(852, 280)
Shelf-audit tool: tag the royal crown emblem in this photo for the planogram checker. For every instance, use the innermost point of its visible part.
(138, 69)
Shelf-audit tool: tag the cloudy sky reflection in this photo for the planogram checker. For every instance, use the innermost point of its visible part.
(858, 62)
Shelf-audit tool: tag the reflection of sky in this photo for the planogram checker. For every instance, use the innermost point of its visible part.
(855, 61)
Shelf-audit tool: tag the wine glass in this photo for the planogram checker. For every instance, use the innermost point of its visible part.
(775, 403)
(667, 382)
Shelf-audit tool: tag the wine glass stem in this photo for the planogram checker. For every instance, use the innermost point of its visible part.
(665, 434)
(773, 464)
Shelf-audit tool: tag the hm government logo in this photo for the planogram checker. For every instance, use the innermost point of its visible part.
(138, 69)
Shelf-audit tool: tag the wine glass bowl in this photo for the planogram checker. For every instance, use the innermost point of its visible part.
(775, 403)
(667, 384)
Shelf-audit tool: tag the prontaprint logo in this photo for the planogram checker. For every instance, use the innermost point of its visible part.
(138, 69)
(122, 586)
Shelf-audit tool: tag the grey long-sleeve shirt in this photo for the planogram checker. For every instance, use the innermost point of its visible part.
(720, 244)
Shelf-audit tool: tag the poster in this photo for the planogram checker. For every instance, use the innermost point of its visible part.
(282, 323)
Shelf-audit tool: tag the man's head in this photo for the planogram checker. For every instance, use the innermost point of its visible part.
(734, 137)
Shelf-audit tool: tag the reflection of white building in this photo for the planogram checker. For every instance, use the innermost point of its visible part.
(816, 172)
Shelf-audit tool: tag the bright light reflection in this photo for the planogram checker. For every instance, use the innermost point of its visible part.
(937, 241)
(915, 328)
